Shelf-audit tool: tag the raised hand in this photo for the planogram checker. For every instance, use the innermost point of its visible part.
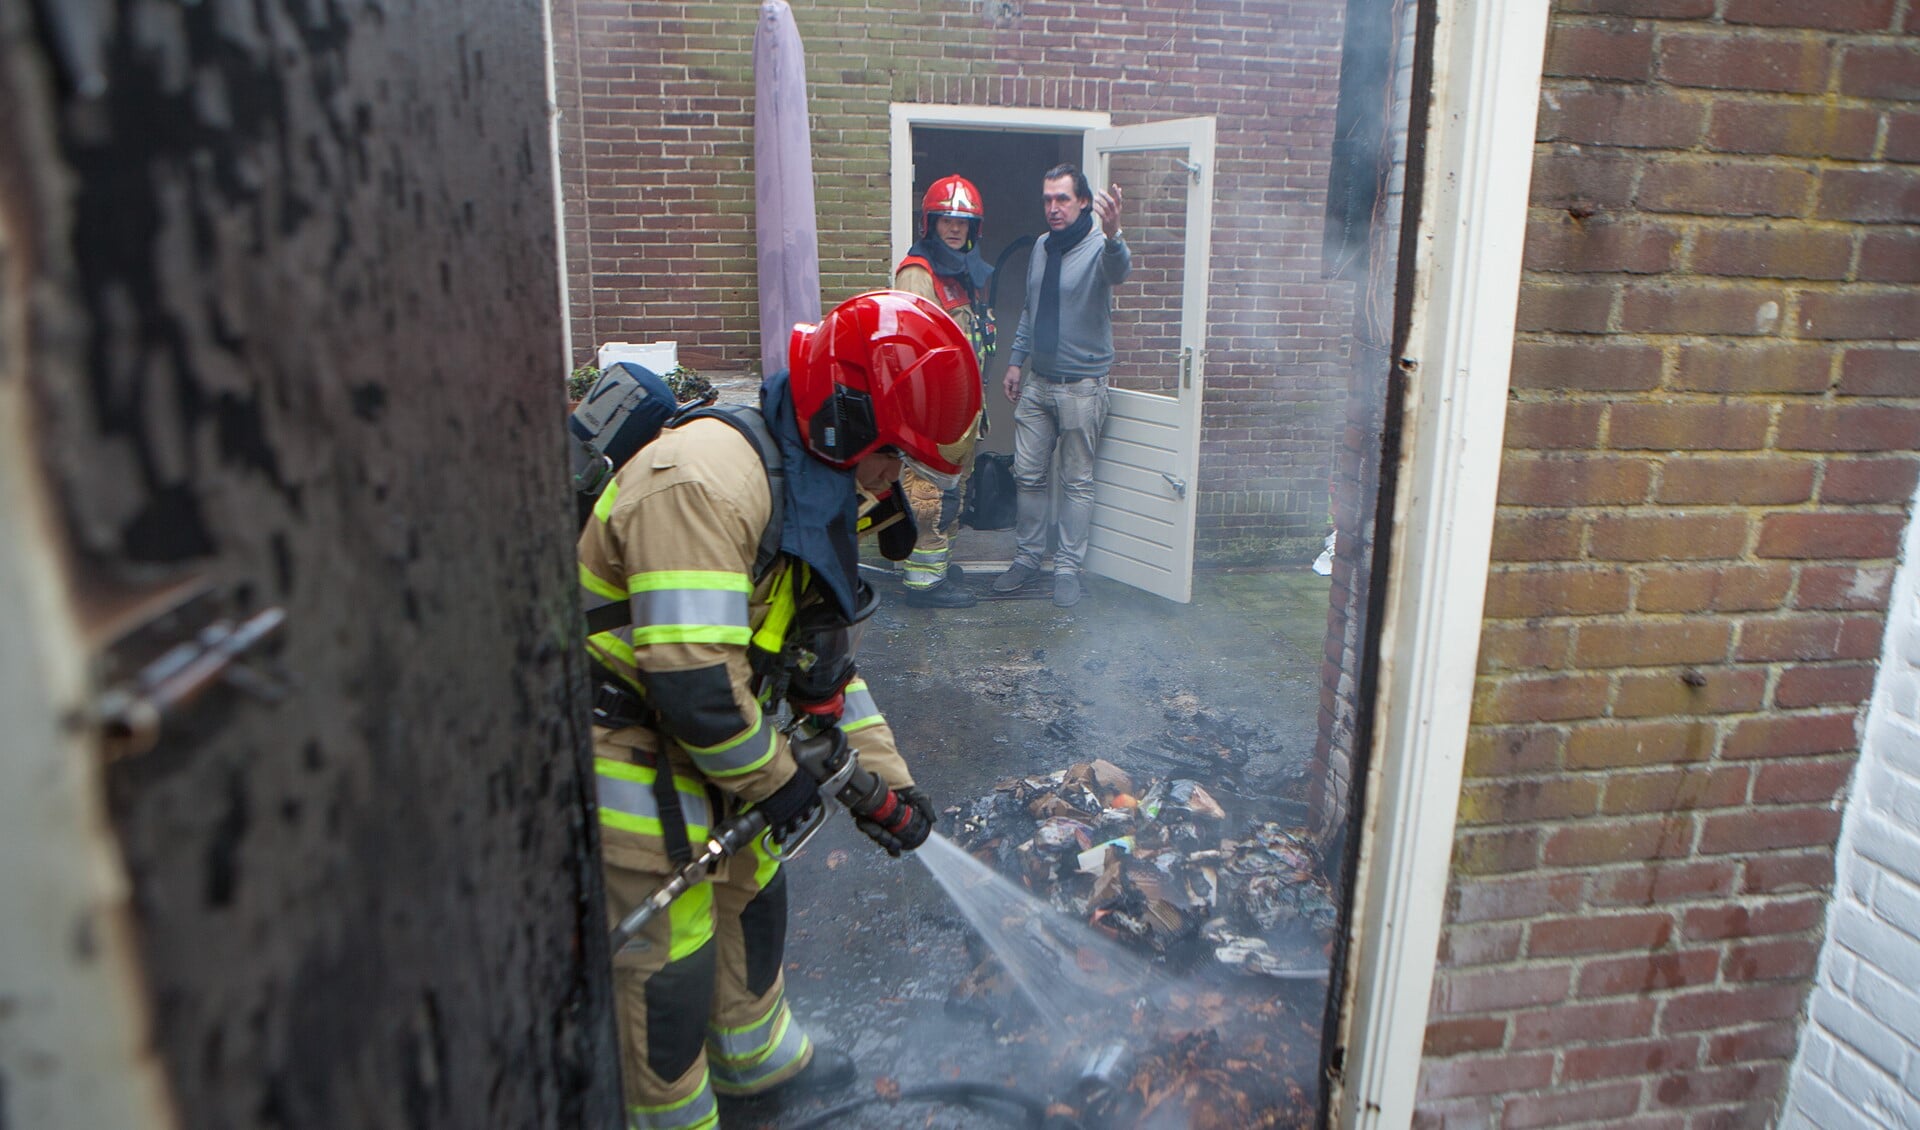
(1107, 206)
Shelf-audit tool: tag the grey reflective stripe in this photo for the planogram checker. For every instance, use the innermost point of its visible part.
(751, 1058)
(744, 754)
(860, 710)
(925, 568)
(706, 607)
(700, 1111)
(634, 798)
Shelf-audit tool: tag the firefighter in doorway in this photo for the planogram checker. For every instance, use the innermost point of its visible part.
(945, 266)
(719, 570)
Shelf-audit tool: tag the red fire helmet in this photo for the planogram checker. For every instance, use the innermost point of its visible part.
(953, 196)
(885, 369)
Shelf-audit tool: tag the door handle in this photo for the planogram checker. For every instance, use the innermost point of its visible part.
(1178, 484)
(1186, 367)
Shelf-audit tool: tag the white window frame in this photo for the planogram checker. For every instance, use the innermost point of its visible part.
(903, 116)
(1477, 168)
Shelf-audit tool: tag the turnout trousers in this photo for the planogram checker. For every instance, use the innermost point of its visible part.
(702, 1004)
(936, 511)
(1056, 423)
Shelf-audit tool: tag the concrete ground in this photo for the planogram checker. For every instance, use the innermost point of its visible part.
(1015, 687)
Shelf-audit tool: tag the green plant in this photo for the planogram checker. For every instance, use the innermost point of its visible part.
(580, 381)
(687, 384)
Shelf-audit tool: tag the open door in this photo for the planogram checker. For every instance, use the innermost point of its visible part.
(1149, 458)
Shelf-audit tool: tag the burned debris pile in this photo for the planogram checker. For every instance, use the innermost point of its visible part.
(1229, 908)
(1159, 864)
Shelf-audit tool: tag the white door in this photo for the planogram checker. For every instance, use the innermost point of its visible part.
(1149, 459)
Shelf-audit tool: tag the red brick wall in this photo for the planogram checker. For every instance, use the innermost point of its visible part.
(1710, 444)
(656, 104)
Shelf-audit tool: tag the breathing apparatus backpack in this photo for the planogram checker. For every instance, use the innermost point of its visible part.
(627, 409)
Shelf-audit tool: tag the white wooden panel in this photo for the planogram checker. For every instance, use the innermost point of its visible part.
(1142, 522)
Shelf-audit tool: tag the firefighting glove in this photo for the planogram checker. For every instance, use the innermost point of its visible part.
(791, 805)
(909, 827)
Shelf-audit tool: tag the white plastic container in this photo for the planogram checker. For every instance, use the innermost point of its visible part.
(662, 357)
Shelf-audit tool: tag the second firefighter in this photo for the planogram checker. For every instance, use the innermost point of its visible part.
(945, 265)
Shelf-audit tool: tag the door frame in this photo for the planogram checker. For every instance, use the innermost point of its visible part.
(1476, 164)
(903, 116)
(1483, 71)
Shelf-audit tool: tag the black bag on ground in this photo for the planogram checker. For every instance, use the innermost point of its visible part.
(992, 497)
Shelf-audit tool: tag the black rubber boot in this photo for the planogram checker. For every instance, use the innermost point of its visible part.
(947, 594)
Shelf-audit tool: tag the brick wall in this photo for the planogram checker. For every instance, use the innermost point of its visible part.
(1859, 1061)
(656, 148)
(1356, 479)
(1710, 454)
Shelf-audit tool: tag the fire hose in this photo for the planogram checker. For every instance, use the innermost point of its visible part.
(1098, 1093)
(823, 754)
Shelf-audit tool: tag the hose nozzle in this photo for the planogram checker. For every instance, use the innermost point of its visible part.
(1105, 1070)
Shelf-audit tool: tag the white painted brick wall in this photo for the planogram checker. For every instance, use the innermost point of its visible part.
(1859, 1059)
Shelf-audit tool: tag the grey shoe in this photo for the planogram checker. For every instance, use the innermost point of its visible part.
(1015, 577)
(1066, 589)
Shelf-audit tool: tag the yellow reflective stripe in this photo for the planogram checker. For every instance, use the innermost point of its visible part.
(624, 770)
(691, 633)
(599, 586)
(703, 1113)
(628, 822)
(781, 606)
(698, 1111)
(603, 507)
(690, 579)
(611, 648)
(691, 916)
(743, 754)
(765, 866)
(860, 710)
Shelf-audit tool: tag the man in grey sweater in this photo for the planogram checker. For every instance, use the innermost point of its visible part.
(1057, 373)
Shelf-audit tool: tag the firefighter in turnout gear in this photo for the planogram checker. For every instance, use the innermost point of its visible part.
(945, 266)
(723, 556)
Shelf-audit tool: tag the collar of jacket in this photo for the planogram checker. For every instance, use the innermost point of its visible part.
(1060, 242)
(820, 521)
(947, 262)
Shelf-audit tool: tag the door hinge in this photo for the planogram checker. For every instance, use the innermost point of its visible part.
(132, 714)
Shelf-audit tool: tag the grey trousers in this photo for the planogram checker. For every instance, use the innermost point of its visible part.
(1065, 419)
